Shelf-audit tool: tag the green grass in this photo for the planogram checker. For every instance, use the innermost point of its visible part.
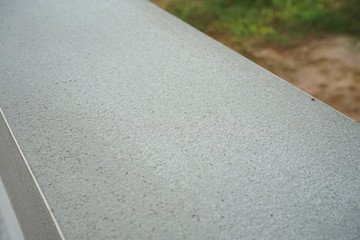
(277, 22)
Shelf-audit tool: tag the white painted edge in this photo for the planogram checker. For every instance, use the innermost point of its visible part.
(33, 177)
(11, 222)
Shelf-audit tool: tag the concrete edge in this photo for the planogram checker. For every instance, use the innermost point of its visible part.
(32, 210)
(252, 62)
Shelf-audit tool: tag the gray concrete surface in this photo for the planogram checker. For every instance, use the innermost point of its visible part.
(137, 126)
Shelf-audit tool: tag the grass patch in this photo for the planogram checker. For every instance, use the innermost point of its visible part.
(275, 22)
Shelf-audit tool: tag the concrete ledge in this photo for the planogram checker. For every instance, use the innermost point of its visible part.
(26, 198)
(137, 126)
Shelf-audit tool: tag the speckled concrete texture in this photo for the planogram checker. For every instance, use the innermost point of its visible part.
(137, 126)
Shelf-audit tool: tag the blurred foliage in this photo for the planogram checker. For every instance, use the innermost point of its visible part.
(279, 22)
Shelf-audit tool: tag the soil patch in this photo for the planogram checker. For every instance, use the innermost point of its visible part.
(328, 69)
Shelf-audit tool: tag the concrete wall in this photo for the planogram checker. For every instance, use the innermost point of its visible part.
(137, 126)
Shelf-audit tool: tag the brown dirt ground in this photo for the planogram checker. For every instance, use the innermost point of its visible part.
(328, 69)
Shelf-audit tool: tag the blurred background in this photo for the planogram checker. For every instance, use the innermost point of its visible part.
(313, 44)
